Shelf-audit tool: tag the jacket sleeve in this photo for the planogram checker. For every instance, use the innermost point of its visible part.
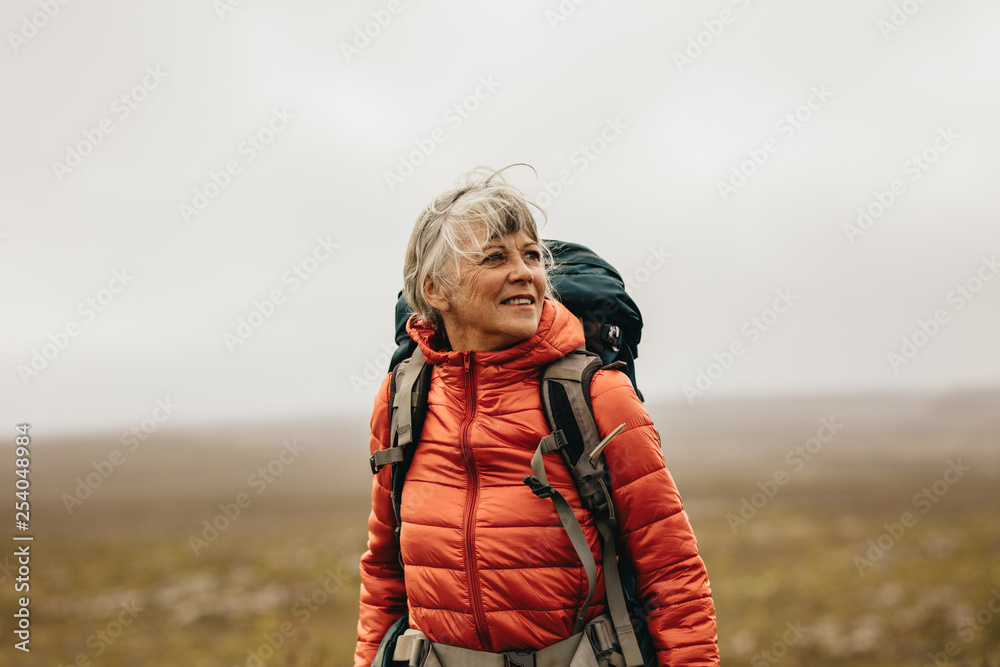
(383, 593)
(655, 534)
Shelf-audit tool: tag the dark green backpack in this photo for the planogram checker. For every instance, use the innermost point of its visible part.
(594, 291)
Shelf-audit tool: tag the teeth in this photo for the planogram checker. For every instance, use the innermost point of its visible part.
(518, 302)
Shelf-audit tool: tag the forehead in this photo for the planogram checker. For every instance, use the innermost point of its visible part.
(510, 239)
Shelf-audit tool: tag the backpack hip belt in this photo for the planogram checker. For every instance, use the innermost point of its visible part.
(594, 646)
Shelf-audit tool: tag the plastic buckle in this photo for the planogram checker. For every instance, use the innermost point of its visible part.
(537, 488)
(601, 637)
(375, 468)
(612, 335)
(519, 658)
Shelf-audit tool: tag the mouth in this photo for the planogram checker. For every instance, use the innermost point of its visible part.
(519, 300)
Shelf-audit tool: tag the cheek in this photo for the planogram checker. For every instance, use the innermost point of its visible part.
(540, 281)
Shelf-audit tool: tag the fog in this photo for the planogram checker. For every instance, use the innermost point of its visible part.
(206, 203)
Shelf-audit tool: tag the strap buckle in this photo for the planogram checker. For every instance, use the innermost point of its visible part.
(602, 638)
(519, 658)
(537, 488)
(383, 457)
(612, 335)
(555, 440)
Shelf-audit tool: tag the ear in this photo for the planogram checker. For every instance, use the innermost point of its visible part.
(435, 296)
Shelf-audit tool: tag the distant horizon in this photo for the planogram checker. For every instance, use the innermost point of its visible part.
(176, 427)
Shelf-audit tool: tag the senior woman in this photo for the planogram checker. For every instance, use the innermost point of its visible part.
(480, 562)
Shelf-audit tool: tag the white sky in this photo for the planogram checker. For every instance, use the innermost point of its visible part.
(681, 131)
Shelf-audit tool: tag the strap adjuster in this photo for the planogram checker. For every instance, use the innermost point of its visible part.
(602, 638)
(519, 658)
(383, 457)
(537, 488)
(553, 441)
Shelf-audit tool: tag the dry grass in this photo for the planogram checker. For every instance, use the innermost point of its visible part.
(289, 561)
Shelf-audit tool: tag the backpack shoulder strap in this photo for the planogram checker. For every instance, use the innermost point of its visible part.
(408, 390)
(565, 390)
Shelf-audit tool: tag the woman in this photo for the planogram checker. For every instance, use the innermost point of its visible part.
(481, 562)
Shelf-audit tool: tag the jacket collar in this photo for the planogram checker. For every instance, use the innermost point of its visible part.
(559, 333)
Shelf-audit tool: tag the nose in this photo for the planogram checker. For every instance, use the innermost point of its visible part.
(520, 271)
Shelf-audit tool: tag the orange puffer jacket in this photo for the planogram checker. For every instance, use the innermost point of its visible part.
(488, 566)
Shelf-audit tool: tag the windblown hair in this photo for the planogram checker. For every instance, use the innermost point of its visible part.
(481, 207)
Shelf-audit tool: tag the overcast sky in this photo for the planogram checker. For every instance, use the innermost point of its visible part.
(164, 167)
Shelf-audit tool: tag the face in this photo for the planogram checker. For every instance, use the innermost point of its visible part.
(499, 298)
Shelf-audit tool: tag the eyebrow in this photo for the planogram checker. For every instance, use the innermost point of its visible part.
(503, 247)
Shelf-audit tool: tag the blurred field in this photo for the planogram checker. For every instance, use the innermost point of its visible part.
(286, 567)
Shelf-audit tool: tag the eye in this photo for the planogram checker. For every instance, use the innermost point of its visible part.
(493, 258)
(533, 256)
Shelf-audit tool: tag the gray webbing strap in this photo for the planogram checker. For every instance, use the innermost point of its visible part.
(409, 647)
(574, 651)
(384, 457)
(575, 533)
(401, 426)
(568, 372)
(563, 374)
(404, 399)
(616, 598)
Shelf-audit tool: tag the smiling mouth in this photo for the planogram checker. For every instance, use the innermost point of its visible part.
(518, 301)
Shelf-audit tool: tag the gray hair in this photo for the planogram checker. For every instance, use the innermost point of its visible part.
(481, 200)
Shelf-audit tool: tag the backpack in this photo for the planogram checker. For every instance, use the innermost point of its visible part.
(594, 291)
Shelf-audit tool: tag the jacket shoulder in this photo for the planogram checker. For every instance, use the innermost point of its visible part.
(612, 391)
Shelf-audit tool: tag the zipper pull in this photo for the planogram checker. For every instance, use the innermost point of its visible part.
(467, 361)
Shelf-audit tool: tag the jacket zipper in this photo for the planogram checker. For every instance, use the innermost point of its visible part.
(470, 509)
